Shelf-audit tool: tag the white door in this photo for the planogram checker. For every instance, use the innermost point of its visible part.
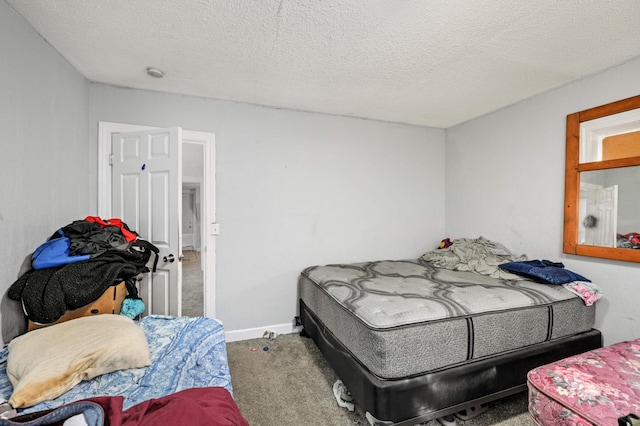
(607, 208)
(601, 204)
(147, 196)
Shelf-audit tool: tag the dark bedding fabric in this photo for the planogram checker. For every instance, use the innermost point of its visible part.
(543, 271)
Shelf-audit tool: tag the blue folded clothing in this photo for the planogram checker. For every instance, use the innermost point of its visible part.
(543, 271)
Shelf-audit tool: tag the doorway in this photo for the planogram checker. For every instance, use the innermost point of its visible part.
(198, 161)
(193, 264)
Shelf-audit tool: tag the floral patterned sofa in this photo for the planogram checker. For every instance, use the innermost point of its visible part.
(594, 388)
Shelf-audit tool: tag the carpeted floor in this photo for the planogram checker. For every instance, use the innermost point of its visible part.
(192, 285)
(286, 381)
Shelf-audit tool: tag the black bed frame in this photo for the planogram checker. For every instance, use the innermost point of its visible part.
(416, 399)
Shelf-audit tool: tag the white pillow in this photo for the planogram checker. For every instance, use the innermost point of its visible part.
(45, 363)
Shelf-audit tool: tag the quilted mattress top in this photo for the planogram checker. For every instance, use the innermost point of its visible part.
(393, 293)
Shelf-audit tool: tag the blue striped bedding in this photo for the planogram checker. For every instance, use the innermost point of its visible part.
(185, 353)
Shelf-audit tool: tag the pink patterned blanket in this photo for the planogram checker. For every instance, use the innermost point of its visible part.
(596, 387)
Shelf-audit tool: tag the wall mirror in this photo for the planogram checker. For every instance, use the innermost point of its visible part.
(602, 182)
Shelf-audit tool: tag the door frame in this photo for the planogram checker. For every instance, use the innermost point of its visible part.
(209, 225)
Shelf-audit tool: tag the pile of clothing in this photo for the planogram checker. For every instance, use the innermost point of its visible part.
(630, 240)
(77, 264)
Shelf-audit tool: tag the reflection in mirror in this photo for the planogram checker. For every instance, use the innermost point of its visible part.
(624, 145)
(609, 208)
(611, 137)
(602, 182)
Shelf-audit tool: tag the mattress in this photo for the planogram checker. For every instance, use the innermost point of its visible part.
(185, 353)
(404, 318)
(596, 387)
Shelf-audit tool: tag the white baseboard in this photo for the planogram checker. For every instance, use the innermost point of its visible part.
(254, 333)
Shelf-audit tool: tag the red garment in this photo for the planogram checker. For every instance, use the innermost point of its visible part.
(632, 237)
(129, 236)
(210, 406)
(213, 406)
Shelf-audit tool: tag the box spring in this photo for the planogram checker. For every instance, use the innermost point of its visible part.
(419, 398)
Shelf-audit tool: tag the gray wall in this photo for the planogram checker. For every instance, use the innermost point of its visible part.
(293, 189)
(297, 189)
(505, 181)
(45, 161)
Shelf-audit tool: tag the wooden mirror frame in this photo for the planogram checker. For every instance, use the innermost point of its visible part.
(572, 181)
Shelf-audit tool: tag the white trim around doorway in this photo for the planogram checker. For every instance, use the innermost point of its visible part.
(210, 227)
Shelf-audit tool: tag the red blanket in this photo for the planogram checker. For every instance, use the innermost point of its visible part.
(211, 406)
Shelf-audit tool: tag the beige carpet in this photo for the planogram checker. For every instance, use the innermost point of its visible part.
(290, 383)
(192, 285)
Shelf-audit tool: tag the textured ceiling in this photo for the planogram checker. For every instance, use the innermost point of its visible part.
(427, 62)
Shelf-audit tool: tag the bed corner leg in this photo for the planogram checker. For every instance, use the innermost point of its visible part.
(375, 422)
(471, 412)
(448, 420)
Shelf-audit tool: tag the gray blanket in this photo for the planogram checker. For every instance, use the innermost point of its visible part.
(478, 255)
